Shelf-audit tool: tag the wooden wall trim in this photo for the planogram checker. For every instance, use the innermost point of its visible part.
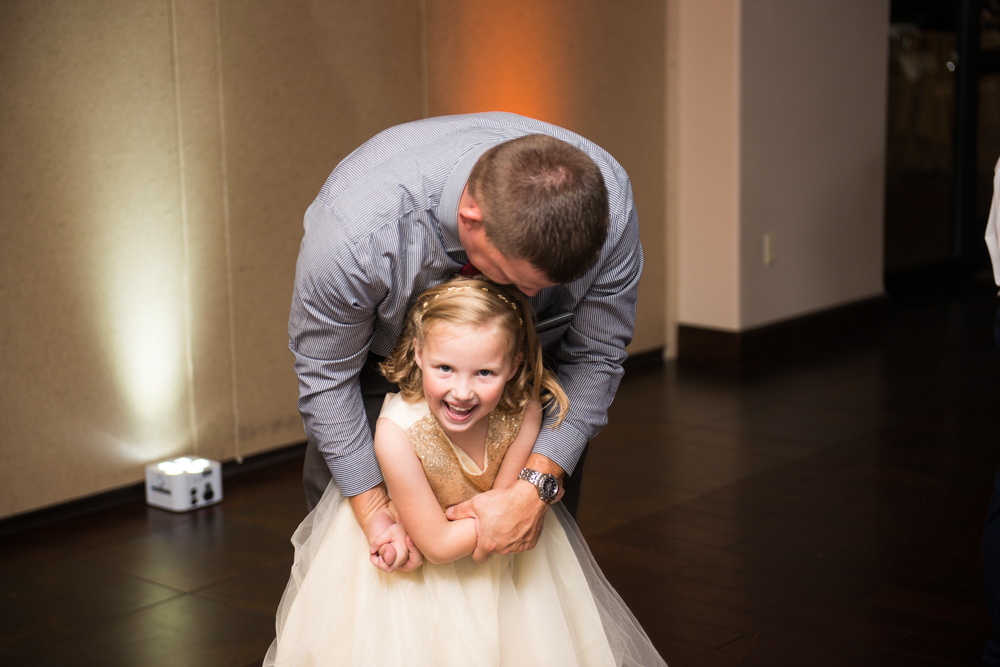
(735, 350)
(106, 500)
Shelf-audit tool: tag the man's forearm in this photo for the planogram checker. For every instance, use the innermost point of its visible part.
(544, 464)
(368, 505)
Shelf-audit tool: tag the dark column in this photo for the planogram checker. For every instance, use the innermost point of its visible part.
(966, 127)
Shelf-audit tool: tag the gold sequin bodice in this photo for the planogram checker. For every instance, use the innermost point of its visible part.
(451, 479)
(453, 476)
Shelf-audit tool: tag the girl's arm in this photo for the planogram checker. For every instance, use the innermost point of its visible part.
(519, 450)
(440, 540)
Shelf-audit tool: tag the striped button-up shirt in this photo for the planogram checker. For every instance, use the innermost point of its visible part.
(385, 227)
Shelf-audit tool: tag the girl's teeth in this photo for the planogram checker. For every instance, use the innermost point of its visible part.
(461, 410)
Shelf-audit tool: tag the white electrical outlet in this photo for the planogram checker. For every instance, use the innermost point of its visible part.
(770, 248)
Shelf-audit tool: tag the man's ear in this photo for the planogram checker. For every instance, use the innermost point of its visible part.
(469, 212)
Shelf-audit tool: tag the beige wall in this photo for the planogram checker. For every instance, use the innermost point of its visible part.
(812, 153)
(91, 249)
(157, 160)
(707, 180)
(156, 163)
(780, 108)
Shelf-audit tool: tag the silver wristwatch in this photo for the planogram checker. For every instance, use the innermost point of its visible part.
(547, 485)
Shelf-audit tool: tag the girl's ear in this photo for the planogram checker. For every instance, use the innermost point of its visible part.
(416, 354)
(515, 367)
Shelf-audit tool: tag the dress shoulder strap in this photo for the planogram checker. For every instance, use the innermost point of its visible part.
(401, 412)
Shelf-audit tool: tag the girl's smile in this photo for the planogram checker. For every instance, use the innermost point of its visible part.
(457, 412)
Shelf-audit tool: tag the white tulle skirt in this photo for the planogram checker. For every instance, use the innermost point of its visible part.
(550, 605)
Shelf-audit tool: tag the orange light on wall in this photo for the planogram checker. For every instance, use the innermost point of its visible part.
(496, 55)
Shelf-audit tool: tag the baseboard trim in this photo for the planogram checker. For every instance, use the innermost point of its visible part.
(643, 360)
(736, 350)
(106, 500)
(709, 347)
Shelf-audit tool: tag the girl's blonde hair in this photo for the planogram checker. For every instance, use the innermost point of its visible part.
(479, 303)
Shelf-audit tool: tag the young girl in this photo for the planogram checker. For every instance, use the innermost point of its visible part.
(472, 389)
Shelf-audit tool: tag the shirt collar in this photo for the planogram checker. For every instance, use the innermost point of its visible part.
(452, 194)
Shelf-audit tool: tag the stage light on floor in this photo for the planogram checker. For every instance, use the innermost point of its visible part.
(183, 484)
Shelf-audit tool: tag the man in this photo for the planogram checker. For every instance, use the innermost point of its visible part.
(522, 201)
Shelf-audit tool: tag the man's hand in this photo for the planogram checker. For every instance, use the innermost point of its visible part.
(376, 516)
(507, 520)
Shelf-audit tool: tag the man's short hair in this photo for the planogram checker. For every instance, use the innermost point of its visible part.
(544, 201)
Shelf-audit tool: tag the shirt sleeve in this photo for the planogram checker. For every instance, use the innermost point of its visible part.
(993, 226)
(330, 328)
(592, 350)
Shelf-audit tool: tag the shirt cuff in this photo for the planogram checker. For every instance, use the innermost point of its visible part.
(564, 445)
(357, 472)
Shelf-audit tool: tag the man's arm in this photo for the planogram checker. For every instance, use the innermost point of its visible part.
(591, 354)
(390, 547)
(508, 520)
(329, 329)
(592, 350)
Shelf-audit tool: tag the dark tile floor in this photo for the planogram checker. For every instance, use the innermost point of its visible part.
(823, 510)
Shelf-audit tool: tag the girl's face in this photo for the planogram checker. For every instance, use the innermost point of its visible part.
(464, 372)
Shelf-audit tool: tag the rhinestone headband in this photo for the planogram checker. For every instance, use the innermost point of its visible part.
(460, 288)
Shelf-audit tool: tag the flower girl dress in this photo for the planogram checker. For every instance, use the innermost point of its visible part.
(549, 605)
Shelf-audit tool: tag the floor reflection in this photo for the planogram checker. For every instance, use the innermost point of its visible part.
(823, 509)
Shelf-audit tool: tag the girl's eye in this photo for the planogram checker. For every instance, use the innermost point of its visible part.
(485, 373)
(444, 369)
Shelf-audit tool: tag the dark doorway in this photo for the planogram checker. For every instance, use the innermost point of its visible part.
(943, 135)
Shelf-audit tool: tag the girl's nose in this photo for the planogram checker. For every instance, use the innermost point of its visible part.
(462, 390)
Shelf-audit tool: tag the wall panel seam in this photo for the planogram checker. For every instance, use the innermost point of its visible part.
(185, 232)
(226, 226)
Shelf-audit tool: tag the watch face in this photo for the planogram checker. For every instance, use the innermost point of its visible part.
(550, 487)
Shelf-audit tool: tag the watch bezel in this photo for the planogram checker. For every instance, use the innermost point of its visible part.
(544, 483)
(540, 480)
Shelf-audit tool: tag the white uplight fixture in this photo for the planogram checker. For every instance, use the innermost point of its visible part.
(183, 484)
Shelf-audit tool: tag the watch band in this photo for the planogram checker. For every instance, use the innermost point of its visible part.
(547, 485)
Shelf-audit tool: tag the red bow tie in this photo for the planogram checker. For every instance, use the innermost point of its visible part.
(470, 270)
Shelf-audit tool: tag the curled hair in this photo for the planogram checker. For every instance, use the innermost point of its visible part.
(482, 304)
(544, 201)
